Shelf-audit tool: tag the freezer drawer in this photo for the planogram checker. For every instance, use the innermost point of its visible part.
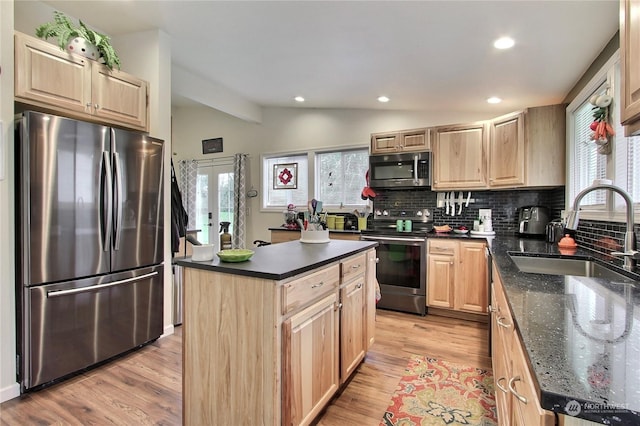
(73, 325)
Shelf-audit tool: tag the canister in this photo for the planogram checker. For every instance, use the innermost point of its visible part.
(407, 226)
(399, 225)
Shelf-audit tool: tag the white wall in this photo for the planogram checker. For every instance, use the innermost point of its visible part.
(286, 130)
(8, 386)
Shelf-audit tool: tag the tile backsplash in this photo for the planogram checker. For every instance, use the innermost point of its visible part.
(504, 205)
(599, 236)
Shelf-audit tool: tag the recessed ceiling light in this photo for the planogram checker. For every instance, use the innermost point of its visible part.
(504, 43)
(494, 100)
(299, 99)
(383, 99)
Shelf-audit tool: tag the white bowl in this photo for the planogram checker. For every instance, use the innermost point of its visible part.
(315, 236)
(202, 253)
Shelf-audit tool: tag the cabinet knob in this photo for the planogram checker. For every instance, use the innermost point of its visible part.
(338, 307)
(88, 104)
(97, 106)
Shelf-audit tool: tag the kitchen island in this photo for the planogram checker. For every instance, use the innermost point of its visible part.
(270, 341)
(580, 335)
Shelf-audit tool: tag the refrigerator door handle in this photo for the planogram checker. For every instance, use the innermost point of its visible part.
(117, 224)
(57, 293)
(107, 210)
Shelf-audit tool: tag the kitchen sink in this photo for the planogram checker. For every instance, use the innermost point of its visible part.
(563, 266)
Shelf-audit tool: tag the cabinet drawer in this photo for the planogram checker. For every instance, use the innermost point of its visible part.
(443, 247)
(353, 266)
(299, 292)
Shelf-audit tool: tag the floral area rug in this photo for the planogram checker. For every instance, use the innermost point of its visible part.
(434, 392)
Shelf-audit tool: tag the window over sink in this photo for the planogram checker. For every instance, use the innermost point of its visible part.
(622, 165)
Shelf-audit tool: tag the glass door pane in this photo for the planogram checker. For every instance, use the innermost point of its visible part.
(214, 201)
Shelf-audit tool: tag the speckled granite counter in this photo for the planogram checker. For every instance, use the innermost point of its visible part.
(582, 335)
(284, 260)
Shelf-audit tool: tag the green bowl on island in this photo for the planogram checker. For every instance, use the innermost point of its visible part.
(235, 255)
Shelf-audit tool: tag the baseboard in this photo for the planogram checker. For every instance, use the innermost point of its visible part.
(168, 330)
(484, 318)
(10, 392)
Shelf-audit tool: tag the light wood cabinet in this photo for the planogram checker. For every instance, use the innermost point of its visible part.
(459, 156)
(310, 361)
(402, 141)
(74, 86)
(274, 352)
(517, 401)
(352, 326)
(283, 236)
(370, 299)
(506, 151)
(442, 256)
(630, 66)
(517, 150)
(471, 287)
(457, 275)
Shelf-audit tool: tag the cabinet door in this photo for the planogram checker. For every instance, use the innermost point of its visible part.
(382, 143)
(415, 140)
(630, 61)
(506, 151)
(310, 361)
(501, 368)
(352, 326)
(370, 299)
(472, 291)
(46, 75)
(526, 405)
(459, 157)
(119, 97)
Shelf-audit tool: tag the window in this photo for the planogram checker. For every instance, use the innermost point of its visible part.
(335, 177)
(281, 198)
(622, 166)
(340, 177)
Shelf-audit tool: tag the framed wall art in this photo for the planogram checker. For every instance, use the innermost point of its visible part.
(285, 176)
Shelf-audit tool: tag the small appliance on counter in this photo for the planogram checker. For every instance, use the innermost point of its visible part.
(555, 231)
(533, 220)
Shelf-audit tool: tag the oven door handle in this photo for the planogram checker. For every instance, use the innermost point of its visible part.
(394, 239)
(415, 169)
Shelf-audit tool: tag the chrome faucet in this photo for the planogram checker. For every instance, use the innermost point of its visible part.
(630, 254)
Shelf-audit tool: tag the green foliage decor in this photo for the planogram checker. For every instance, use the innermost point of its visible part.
(65, 30)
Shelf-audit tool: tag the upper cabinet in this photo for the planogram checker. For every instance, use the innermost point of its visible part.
(459, 156)
(630, 65)
(77, 87)
(522, 149)
(402, 141)
(506, 151)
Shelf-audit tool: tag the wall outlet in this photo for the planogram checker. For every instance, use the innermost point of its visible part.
(484, 213)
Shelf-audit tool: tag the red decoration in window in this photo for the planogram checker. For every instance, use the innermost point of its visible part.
(285, 176)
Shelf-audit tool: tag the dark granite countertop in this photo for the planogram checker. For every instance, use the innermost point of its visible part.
(283, 260)
(582, 335)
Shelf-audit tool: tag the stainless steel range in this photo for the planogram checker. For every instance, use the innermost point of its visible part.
(402, 259)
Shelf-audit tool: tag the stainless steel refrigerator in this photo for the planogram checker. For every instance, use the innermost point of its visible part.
(90, 241)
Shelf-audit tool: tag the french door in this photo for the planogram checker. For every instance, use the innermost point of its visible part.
(214, 201)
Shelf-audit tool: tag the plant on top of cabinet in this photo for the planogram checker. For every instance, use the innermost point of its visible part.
(79, 39)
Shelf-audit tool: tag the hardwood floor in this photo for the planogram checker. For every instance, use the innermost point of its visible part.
(144, 387)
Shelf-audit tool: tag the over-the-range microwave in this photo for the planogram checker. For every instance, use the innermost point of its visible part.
(404, 170)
